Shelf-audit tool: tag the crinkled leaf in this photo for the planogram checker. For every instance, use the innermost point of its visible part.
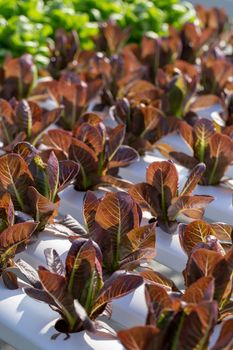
(203, 130)
(139, 338)
(16, 234)
(90, 205)
(158, 301)
(7, 213)
(84, 155)
(121, 286)
(68, 171)
(190, 206)
(91, 136)
(192, 234)
(115, 140)
(163, 175)
(42, 209)
(193, 179)
(40, 295)
(139, 238)
(29, 273)
(146, 196)
(117, 213)
(124, 156)
(58, 140)
(201, 290)
(24, 117)
(83, 268)
(156, 277)
(221, 154)
(15, 178)
(53, 175)
(54, 262)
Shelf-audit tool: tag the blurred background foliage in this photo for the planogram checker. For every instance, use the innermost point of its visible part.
(27, 26)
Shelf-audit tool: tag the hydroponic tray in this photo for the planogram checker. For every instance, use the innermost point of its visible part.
(28, 324)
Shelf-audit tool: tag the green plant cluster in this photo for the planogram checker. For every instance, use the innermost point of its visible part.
(29, 25)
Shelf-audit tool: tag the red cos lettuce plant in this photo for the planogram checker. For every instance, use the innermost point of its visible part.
(113, 222)
(176, 320)
(159, 194)
(121, 65)
(207, 259)
(24, 121)
(18, 76)
(117, 66)
(77, 290)
(73, 93)
(157, 52)
(34, 185)
(191, 315)
(207, 146)
(216, 74)
(111, 38)
(62, 51)
(145, 124)
(179, 81)
(142, 92)
(14, 235)
(134, 61)
(195, 40)
(98, 150)
(181, 98)
(214, 17)
(210, 253)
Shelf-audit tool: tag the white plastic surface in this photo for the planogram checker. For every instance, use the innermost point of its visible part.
(71, 202)
(34, 254)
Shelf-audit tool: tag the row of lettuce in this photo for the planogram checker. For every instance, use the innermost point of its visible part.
(90, 114)
(29, 26)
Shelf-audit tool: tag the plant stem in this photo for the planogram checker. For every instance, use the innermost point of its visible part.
(163, 204)
(89, 294)
(176, 340)
(211, 177)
